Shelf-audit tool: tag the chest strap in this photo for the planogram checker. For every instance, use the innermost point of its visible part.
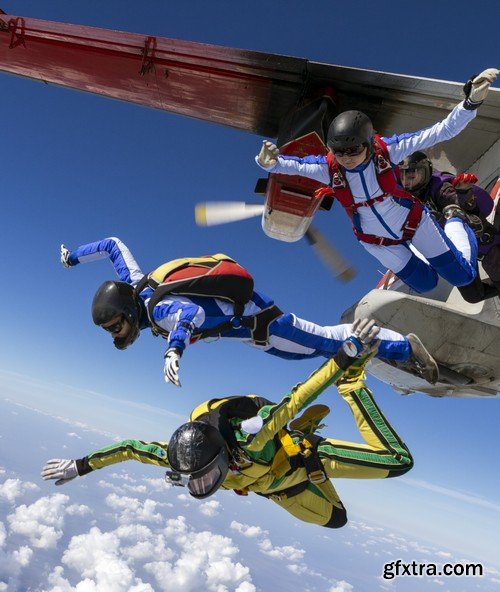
(315, 475)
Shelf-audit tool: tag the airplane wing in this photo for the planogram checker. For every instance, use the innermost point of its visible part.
(248, 90)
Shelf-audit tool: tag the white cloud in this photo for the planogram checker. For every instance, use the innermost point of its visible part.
(22, 556)
(11, 563)
(341, 586)
(210, 508)
(286, 553)
(204, 563)
(94, 556)
(41, 522)
(3, 534)
(13, 488)
(132, 509)
(247, 530)
(73, 435)
(156, 484)
(78, 510)
(183, 497)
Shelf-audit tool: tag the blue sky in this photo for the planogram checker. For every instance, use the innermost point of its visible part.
(78, 168)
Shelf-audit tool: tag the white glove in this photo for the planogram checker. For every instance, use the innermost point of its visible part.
(366, 331)
(63, 470)
(477, 88)
(360, 345)
(268, 155)
(65, 253)
(171, 370)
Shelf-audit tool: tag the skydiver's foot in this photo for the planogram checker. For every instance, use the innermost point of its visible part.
(421, 362)
(454, 211)
(310, 421)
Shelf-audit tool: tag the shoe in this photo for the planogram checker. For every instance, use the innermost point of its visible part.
(310, 421)
(421, 362)
(454, 211)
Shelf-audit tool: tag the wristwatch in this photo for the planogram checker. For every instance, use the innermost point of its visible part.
(352, 346)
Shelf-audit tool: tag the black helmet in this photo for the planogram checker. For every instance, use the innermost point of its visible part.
(118, 298)
(349, 129)
(198, 449)
(418, 161)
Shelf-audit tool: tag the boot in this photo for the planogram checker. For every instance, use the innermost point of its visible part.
(420, 362)
(310, 421)
(455, 211)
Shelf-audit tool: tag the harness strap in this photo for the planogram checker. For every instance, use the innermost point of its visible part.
(285, 493)
(312, 461)
(409, 228)
(258, 324)
(315, 475)
(388, 179)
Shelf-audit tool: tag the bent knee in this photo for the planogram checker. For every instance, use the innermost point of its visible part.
(338, 518)
(401, 470)
(418, 275)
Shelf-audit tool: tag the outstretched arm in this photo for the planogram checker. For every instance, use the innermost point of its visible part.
(314, 167)
(354, 354)
(123, 261)
(64, 470)
(402, 145)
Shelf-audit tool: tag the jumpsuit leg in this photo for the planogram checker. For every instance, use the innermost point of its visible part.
(491, 265)
(452, 252)
(294, 338)
(413, 270)
(384, 454)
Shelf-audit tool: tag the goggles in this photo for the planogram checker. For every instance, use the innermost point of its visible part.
(352, 151)
(115, 327)
(206, 482)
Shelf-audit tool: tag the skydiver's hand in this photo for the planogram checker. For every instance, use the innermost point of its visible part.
(477, 87)
(171, 370)
(361, 344)
(268, 155)
(64, 470)
(464, 181)
(65, 253)
(366, 331)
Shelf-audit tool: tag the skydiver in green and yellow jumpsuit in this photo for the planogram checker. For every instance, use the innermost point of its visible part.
(249, 444)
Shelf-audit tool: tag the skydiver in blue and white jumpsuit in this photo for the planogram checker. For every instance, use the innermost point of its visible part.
(451, 253)
(182, 317)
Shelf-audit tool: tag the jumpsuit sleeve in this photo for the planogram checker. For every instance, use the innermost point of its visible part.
(180, 318)
(151, 453)
(402, 145)
(276, 417)
(314, 167)
(122, 259)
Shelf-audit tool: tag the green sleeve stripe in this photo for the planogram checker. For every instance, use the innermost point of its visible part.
(150, 453)
(378, 423)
